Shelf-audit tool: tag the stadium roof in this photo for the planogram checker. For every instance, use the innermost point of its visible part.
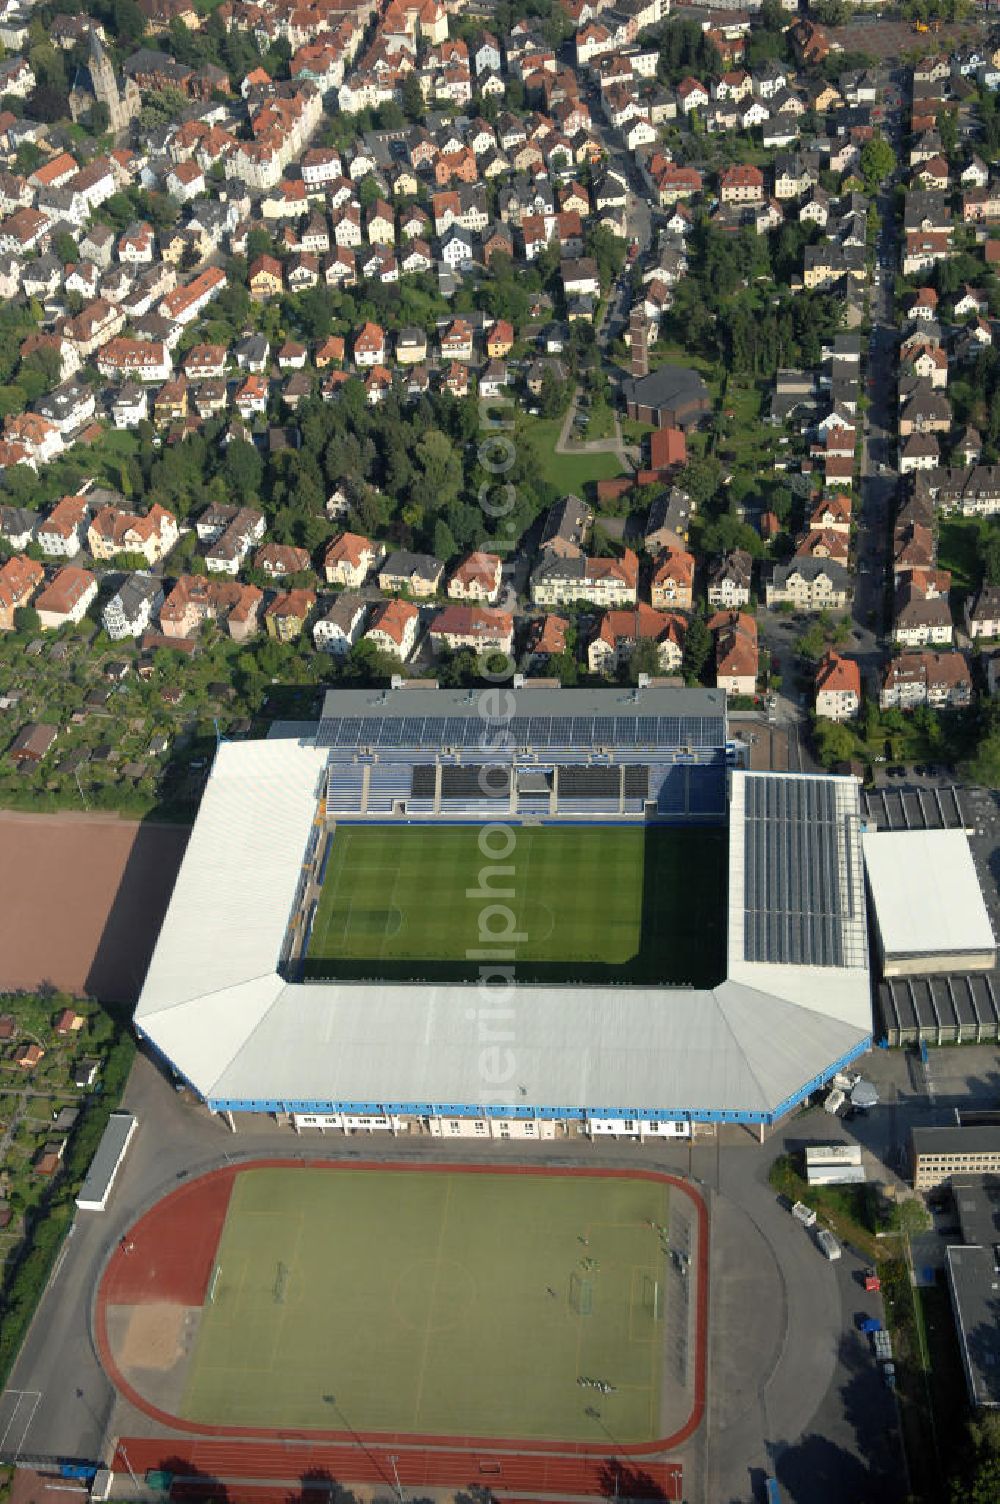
(216, 1006)
(655, 715)
(926, 893)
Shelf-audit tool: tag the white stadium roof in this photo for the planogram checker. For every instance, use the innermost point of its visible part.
(216, 1006)
(926, 893)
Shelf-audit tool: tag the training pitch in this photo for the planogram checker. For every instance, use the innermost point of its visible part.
(448, 1302)
(589, 903)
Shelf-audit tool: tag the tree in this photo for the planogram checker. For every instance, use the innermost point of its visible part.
(644, 659)
(27, 622)
(835, 742)
(947, 124)
(701, 478)
(444, 544)
(65, 247)
(984, 765)
(991, 557)
(243, 469)
(878, 162)
(697, 647)
(412, 97)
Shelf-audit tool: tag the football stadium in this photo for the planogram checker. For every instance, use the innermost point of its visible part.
(517, 913)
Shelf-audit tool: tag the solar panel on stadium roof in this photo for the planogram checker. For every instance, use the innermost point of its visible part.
(520, 730)
(560, 731)
(389, 734)
(645, 729)
(624, 733)
(583, 728)
(604, 729)
(454, 731)
(540, 731)
(348, 731)
(412, 731)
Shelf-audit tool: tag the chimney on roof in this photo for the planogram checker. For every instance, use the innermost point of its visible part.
(638, 343)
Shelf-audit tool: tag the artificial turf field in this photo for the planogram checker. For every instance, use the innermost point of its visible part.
(639, 904)
(436, 1302)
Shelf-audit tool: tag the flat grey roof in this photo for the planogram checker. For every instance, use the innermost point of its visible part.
(658, 699)
(975, 1288)
(956, 1140)
(926, 893)
(655, 716)
(977, 1201)
(104, 1165)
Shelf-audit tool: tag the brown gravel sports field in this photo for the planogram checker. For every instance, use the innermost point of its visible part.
(82, 898)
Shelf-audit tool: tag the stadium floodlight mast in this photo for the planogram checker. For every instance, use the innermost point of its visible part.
(395, 1473)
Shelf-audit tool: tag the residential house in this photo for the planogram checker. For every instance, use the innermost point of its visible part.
(61, 533)
(20, 579)
(285, 617)
(620, 632)
(477, 577)
(278, 560)
(934, 679)
(982, 612)
(736, 652)
(606, 582)
(341, 626)
(729, 580)
(350, 559)
(131, 610)
(672, 580)
(393, 628)
(808, 585)
(838, 687)
(481, 628)
(65, 600)
(418, 574)
(566, 528)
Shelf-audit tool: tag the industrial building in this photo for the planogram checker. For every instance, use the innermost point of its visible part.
(937, 1155)
(973, 1280)
(930, 916)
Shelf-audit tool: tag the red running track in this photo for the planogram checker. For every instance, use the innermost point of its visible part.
(200, 1466)
(170, 1252)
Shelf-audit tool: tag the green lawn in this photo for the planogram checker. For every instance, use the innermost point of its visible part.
(568, 472)
(960, 542)
(444, 1302)
(593, 903)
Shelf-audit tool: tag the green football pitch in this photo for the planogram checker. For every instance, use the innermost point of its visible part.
(440, 1302)
(589, 903)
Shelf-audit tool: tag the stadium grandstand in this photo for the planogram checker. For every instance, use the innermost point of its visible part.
(653, 752)
(224, 1002)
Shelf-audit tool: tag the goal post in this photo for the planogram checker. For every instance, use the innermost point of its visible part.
(651, 1297)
